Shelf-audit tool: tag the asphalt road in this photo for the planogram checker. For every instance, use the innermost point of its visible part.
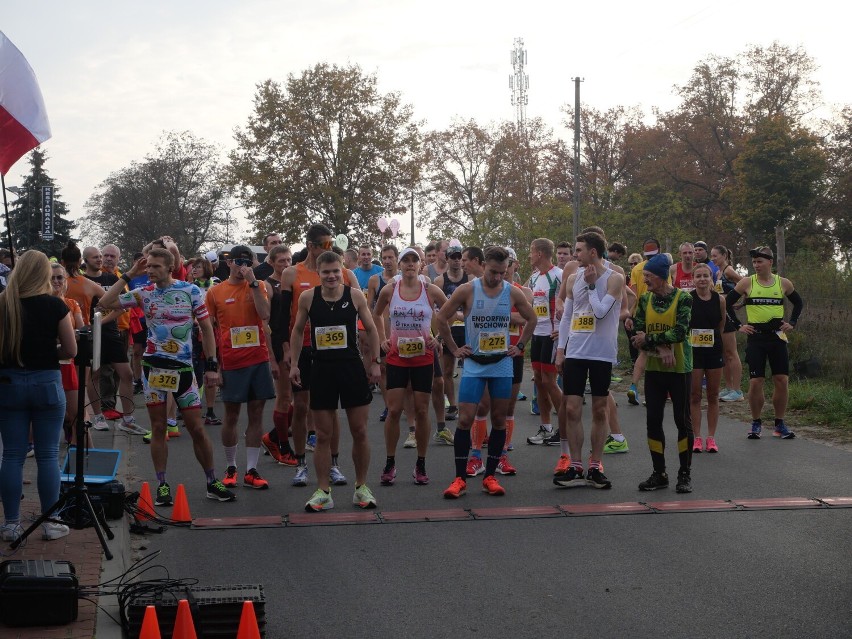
(734, 573)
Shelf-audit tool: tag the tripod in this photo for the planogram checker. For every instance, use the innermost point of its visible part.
(78, 494)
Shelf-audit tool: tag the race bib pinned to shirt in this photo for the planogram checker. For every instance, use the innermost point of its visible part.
(583, 323)
(162, 379)
(492, 342)
(411, 346)
(541, 306)
(245, 336)
(702, 337)
(514, 330)
(330, 337)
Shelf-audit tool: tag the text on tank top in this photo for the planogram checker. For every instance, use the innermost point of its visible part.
(410, 322)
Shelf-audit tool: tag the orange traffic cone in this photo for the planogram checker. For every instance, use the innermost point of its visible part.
(150, 626)
(180, 512)
(145, 503)
(248, 623)
(184, 628)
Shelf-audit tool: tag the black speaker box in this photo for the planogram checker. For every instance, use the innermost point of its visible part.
(110, 496)
(216, 610)
(37, 592)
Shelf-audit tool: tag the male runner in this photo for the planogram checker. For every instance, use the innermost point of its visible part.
(767, 336)
(240, 306)
(563, 254)
(590, 317)
(262, 271)
(681, 273)
(337, 372)
(109, 379)
(702, 257)
(486, 304)
(545, 285)
(366, 269)
(448, 282)
(170, 307)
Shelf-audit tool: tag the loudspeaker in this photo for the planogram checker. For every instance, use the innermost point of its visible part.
(37, 592)
(109, 496)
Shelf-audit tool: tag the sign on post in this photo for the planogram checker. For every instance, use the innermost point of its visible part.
(47, 212)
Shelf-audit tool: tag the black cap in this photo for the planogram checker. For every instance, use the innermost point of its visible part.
(762, 251)
(241, 251)
(701, 244)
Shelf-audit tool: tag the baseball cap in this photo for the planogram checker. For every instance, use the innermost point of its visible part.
(241, 251)
(211, 257)
(512, 255)
(408, 251)
(650, 247)
(700, 244)
(452, 249)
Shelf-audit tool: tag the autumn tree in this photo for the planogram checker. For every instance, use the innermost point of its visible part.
(328, 147)
(835, 201)
(176, 190)
(26, 209)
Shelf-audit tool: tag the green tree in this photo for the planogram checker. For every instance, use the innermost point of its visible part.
(327, 147)
(177, 190)
(26, 209)
(778, 175)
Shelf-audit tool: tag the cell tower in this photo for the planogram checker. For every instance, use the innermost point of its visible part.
(519, 83)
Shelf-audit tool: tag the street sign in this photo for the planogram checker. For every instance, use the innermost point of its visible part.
(47, 212)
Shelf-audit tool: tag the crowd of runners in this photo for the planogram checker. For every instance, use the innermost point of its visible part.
(326, 329)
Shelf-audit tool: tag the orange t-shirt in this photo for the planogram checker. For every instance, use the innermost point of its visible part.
(305, 280)
(242, 341)
(123, 320)
(76, 291)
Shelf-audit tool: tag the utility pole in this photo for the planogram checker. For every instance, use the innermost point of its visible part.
(519, 83)
(577, 82)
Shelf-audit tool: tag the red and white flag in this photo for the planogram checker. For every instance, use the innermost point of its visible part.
(23, 118)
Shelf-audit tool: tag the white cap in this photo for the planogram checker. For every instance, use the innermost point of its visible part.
(408, 251)
(211, 257)
(512, 254)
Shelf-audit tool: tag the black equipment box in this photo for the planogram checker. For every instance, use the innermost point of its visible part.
(109, 496)
(37, 592)
(216, 610)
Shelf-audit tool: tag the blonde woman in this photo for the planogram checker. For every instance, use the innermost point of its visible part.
(31, 322)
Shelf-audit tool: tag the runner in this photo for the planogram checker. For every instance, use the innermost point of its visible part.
(486, 305)
(109, 379)
(705, 336)
(728, 278)
(545, 286)
(201, 271)
(590, 317)
(170, 307)
(681, 273)
(764, 294)
(661, 322)
(264, 270)
(239, 307)
(438, 264)
(277, 441)
(410, 350)
(701, 257)
(337, 373)
(564, 254)
(366, 269)
(448, 282)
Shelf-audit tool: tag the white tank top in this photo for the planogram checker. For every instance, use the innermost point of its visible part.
(545, 287)
(410, 323)
(591, 337)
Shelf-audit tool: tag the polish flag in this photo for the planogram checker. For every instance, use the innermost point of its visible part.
(23, 118)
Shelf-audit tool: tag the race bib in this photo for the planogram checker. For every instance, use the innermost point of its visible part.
(492, 342)
(245, 336)
(411, 346)
(781, 335)
(701, 337)
(162, 379)
(583, 323)
(541, 306)
(514, 330)
(330, 337)
(458, 323)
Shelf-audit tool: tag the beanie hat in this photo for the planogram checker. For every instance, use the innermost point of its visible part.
(658, 265)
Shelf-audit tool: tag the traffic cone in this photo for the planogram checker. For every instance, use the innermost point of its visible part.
(150, 626)
(184, 628)
(248, 623)
(145, 503)
(180, 511)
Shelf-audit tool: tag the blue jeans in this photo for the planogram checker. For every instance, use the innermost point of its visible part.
(30, 397)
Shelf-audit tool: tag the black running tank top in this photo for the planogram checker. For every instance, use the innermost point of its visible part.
(334, 327)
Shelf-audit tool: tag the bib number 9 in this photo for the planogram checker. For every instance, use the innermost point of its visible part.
(245, 336)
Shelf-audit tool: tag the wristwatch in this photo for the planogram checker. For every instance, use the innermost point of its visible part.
(520, 346)
(254, 284)
(376, 360)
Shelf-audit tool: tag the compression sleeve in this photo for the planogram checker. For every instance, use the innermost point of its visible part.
(601, 307)
(798, 305)
(565, 324)
(286, 305)
(731, 299)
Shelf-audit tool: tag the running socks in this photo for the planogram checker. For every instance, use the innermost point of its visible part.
(496, 442)
(461, 446)
(390, 463)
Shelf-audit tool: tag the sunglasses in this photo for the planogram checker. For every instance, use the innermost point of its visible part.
(241, 261)
(323, 245)
(57, 278)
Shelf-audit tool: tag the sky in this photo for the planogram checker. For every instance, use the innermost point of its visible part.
(116, 75)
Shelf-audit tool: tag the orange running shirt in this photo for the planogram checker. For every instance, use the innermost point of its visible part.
(76, 291)
(305, 280)
(242, 341)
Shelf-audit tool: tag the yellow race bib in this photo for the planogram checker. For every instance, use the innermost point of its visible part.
(701, 337)
(411, 346)
(541, 306)
(330, 337)
(245, 336)
(162, 379)
(492, 342)
(583, 323)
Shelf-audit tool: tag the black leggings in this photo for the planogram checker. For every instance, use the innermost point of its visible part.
(657, 386)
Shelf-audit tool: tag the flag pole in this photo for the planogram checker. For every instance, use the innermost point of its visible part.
(8, 225)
